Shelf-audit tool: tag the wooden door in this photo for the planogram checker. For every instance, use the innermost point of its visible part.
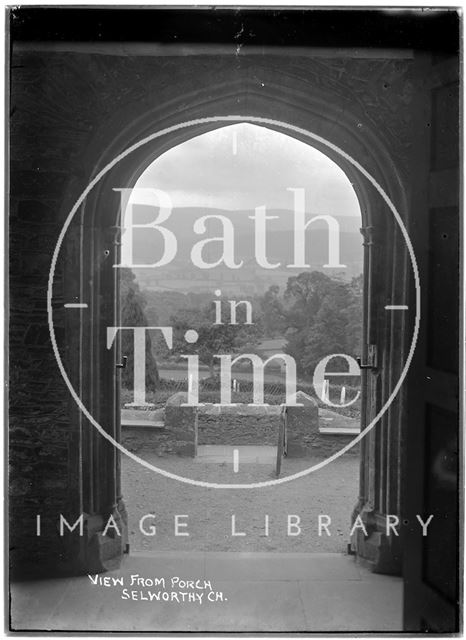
(431, 469)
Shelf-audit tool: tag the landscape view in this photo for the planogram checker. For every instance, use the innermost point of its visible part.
(308, 314)
(245, 281)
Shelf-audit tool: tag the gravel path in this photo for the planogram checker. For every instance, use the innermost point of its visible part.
(332, 491)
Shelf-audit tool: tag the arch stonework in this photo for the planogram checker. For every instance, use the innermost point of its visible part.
(126, 99)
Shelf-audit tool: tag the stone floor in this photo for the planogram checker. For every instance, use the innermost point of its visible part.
(260, 592)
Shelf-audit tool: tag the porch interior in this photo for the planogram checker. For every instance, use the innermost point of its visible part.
(262, 592)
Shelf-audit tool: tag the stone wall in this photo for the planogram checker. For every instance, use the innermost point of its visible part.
(241, 425)
(184, 428)
(308, 437)
(248, 425)
(161, 441)
(44, 474)
(230, 431)
(71, 111)
(321, 445)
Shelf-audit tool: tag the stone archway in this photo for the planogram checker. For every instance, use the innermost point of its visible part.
(76, 104)
(100, 232)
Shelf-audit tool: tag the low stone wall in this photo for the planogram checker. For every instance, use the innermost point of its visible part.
(161, 441)
(175, 435)
(321, 445)
(239, 425)
(309, 430)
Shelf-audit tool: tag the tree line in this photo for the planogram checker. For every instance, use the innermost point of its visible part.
(315, 315)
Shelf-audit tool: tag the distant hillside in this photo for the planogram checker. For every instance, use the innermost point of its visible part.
(240, 217)
(279, 238)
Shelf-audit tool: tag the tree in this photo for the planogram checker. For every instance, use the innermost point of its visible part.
(305, 293)
(354, 317)
(133, 315)
(328, 334)
(273, 316)
(324, 317)
(214, 339)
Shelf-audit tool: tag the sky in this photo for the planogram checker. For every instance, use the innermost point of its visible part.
(243, 166)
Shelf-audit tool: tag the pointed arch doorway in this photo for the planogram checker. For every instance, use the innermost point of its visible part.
(218, 179)
(102, 463)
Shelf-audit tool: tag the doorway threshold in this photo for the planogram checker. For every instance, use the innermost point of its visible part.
(252, 592)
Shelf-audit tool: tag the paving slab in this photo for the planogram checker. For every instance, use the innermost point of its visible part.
(187, 564)
(249, 607)
(142, 424)
(33, 602)
(260, 592)
(142, 415)
(281, 567)
(244, 607)
(361, 607)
